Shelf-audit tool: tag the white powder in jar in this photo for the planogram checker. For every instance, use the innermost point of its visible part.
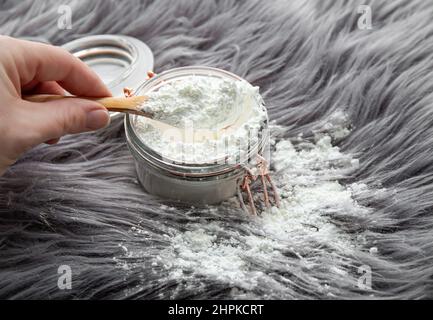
(201, 102)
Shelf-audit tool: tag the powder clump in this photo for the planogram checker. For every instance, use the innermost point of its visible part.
(202, 102)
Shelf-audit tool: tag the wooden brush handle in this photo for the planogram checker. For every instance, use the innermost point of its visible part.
(128, 105)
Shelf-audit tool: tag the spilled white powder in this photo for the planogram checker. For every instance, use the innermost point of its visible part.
(287, 249)
(309, 190)
(201, 102)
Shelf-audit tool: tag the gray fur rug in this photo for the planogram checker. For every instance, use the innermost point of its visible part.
(352, 159)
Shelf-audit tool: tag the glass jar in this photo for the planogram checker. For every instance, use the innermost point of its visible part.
(192, 183)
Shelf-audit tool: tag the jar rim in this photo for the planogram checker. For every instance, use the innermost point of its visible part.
(188, 168)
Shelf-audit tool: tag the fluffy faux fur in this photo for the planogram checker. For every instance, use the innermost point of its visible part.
(78, 203)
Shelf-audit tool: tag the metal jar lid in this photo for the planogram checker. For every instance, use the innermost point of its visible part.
(120, 61)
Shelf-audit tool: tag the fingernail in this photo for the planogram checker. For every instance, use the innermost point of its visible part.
(97, 119)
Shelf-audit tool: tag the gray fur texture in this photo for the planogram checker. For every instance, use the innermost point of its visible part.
(76, 203)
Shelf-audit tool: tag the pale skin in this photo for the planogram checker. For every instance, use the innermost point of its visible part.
(29, 68)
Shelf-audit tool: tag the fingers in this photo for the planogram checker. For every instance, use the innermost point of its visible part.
(48, 87)
(52, 120)
(37, 62)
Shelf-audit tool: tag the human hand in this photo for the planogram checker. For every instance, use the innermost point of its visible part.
(28, 67)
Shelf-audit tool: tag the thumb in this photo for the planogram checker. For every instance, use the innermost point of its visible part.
(51, 120)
